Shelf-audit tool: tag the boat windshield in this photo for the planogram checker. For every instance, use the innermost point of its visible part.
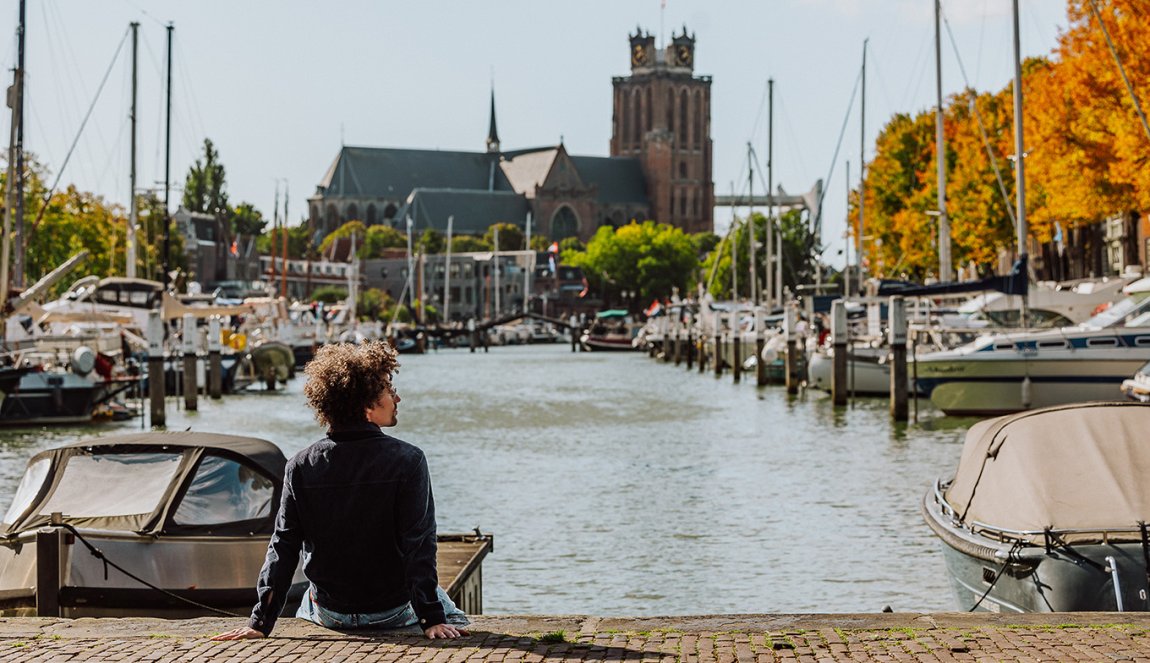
(224, 491)
(1129, 312)
(29, 488)
(112, 484)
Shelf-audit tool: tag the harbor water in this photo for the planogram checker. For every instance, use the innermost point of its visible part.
(618, 485)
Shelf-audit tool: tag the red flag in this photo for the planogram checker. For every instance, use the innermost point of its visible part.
(554, 248)
(235, 247)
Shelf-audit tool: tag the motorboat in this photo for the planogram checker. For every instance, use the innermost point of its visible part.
(1047, 511)
(868, 370)
(189, 513)
(612, 330)
(272, 362)
(1137, 388)
(1010, 372)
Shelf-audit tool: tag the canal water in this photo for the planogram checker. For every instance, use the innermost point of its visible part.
(618, 485)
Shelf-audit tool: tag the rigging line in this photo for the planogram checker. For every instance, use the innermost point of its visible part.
(1121, 69)
(982, 128)
(1013, 549)
(60, 173)
(759, 113)
(834, 159)
(796, 153)
(184, 75)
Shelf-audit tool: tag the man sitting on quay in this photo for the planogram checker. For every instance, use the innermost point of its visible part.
(359, 505)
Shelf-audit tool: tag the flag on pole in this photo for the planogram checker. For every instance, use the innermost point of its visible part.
(235, 249)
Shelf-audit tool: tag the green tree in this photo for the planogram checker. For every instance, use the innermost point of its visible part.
(204, 187)
(652, 259)
(510, 237)
(348, 229)
(383, 237)
(571, 244)
(329, 294)
(432, 242)
(247, 220)
(469, 244)
(797, 258)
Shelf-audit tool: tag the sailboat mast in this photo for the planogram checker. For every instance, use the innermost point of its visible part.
(133, 206)
(18, 110)
(751, 226)
(284, 230)
(1019, 161)
(447, 270)
(12, 208)
(862, 175)
(272, 244)
(771, 250)
(164, 266)
(945, 263)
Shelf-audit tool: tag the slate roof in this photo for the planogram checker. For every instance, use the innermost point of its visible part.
(620, 179)
(527, 168)
(382, 172)
(474, 211)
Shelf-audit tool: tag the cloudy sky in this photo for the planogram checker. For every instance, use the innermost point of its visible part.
(279, 85)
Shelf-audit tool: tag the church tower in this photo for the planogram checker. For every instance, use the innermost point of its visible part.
(662, 116)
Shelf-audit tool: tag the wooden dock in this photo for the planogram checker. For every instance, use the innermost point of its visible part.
(459, 559)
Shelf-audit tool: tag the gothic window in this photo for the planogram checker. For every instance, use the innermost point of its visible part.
(699, 114)
(371, 215)
(564, 224)
(635, 125)
(315, 213)
(682, 203)
(671, 111)
(389, 211)
(332, 217)
(626, 122)
(352, 212)
(684, 119)
(695, 206)
(682, 170)
(647, 108)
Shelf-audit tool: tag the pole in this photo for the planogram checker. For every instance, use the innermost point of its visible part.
(527, 268)
(769, 282)
(272, 243)
(1019, 161)
(839, 344)
(133, 204)
(447, 274)
(791, 359)
(191, 388)
(862, 174)
(215, 361)
(283, 231)
(18, 114)
(495, 277)
(751, 226)
(167, 170)
(945, 264)
(760, 343)
(156, 368)
(847, 243)
(12, 205)
(898, 383)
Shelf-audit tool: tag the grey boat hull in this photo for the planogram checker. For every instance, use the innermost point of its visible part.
(1074, 578)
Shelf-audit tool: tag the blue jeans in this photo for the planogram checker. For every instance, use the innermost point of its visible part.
(397, 617)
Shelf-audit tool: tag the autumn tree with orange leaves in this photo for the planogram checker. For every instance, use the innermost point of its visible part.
(1087, 152)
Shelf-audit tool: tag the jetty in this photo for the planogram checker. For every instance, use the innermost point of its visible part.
(703, 639)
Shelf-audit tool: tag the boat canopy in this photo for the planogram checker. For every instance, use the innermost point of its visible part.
(152, 483)
(1079, 470)
(611, 313)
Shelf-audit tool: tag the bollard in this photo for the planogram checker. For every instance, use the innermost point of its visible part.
(677, 347)
(898, 383)
(215, 361)
(189, 347)
(49, 549)
(573, 326)
(717, 353)
(471, 333)
(736, 346)
(839, 345)
(666, 325)
(760, 343)
(156, 368)
(791, 375)
(689, 349)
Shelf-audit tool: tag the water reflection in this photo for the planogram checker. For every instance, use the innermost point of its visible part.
(616, 485)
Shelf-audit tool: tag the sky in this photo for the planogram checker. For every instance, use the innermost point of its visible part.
(279, 85)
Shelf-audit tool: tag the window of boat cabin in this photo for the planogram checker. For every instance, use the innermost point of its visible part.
(225, 491)
(112, 484)
(29, 488)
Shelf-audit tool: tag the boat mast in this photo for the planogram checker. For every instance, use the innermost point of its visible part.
(283, 229)
(447, 271)
(769, 283)
(945, 264)
(751, 225)
(527, 264)
(133, 206)
(1019, 160)
(271, 287)
(14, 208)
(862, 175)
(167, 171)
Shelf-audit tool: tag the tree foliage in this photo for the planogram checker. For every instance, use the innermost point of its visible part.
(205, 185)
(510, 236)
(469, 244)
(654, 260)
(798, 265)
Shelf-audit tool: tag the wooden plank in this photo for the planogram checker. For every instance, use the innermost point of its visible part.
(459, 560)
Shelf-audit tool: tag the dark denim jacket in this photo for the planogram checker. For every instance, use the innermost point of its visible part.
(358, 503)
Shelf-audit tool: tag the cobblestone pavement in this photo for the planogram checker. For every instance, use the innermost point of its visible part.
(526, 639)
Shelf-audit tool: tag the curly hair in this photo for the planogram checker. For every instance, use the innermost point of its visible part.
(344, 380)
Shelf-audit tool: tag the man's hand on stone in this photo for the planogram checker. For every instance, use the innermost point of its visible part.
(444, 631)
(241, 633)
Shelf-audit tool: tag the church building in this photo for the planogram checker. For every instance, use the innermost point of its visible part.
(659, 167)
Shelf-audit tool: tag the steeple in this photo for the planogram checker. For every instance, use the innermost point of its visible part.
(492, 133)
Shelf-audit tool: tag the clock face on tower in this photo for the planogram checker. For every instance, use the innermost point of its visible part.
(683, 55)
(639, 55)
